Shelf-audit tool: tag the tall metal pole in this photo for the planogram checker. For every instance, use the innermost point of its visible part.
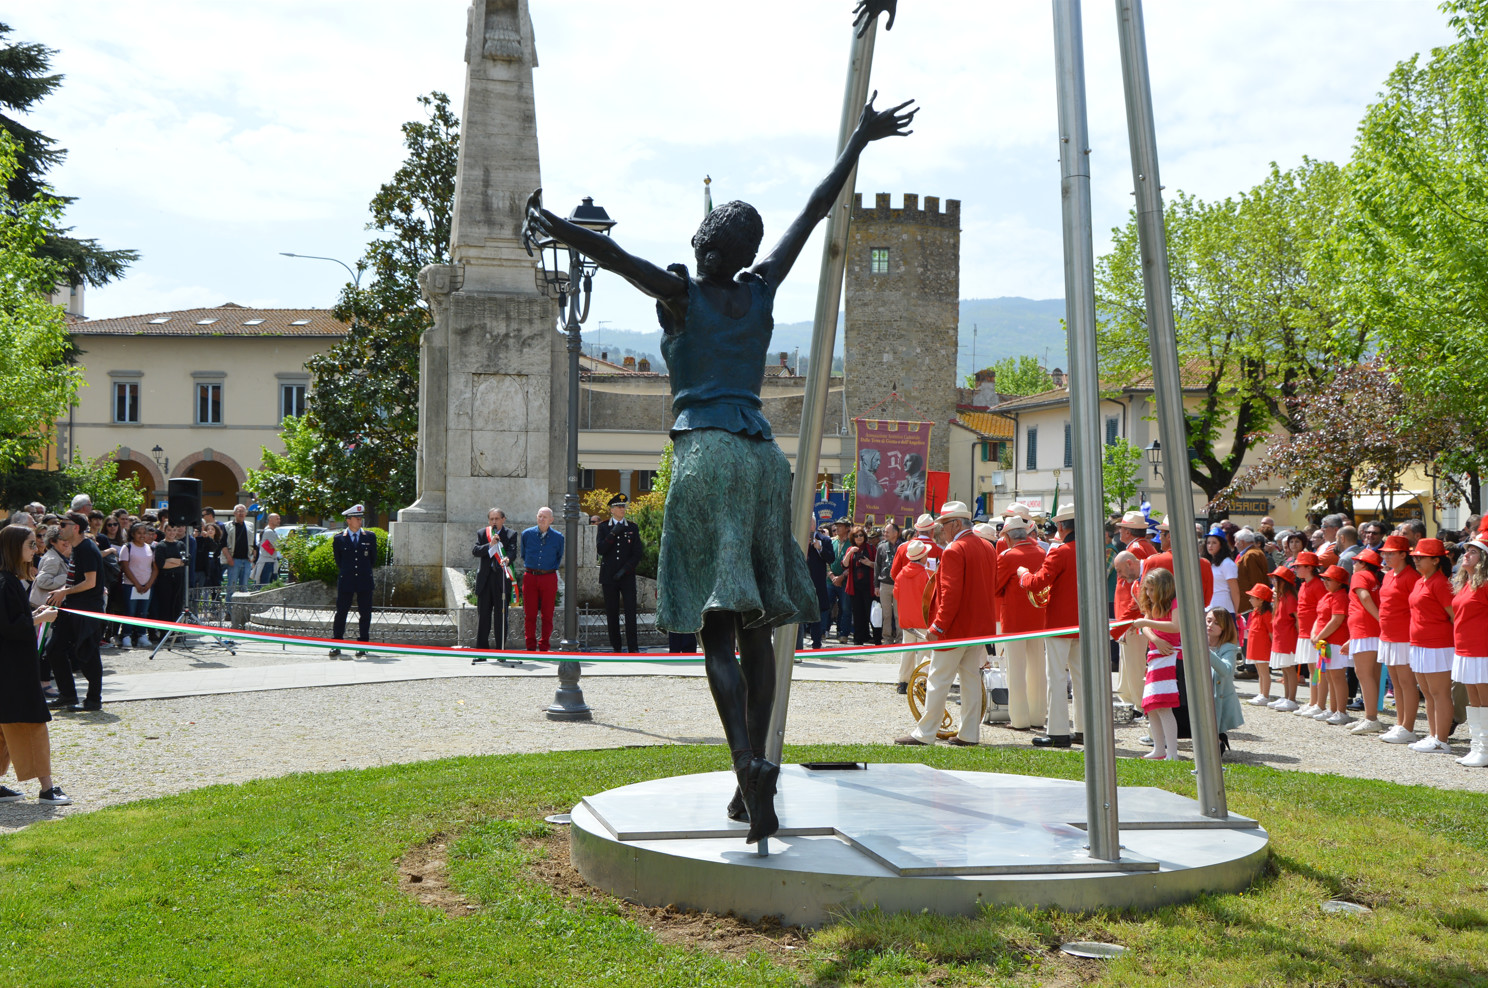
(1084, 390)
(568, 702)
(819, 373)
(1167, 386)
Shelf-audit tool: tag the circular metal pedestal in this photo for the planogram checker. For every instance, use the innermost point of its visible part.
(903, 837)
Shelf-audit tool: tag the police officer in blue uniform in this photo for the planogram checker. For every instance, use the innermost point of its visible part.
(620, 552)
(355, 552)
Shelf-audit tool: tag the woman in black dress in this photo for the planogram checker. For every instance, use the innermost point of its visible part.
(24, 741)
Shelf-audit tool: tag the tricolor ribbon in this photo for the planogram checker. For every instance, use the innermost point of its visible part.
(243, 634)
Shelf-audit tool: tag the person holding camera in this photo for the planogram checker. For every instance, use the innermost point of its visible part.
(24, 741)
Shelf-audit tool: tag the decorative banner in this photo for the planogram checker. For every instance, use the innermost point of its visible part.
(891, 464)
(937, 490)
(829, 508)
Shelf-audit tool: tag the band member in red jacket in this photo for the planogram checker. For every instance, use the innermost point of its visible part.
(961, 608)
(1021, 611)
(1057, 578)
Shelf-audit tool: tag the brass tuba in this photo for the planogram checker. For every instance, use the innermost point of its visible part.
(1040, 599)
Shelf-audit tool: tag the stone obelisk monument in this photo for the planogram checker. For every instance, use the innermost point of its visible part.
(491, 368)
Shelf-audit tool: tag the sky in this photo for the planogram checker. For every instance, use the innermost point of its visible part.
(212, 136)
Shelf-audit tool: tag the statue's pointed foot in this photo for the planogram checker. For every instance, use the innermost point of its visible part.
(758, 788)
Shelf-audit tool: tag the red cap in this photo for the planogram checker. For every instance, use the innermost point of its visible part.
(1337, 574)
(1282, 573)
(1369, 556)
(1429, 547)
(1260, 592)
(1329, 558)
(1396, 543)
(1306, 559)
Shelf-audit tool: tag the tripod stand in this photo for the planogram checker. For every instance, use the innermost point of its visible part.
(175, 641)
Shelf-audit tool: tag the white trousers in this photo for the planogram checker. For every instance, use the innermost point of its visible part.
(946, 665)
(1062, 657)
(909, 660)
(1132, 679)
(1028, 682)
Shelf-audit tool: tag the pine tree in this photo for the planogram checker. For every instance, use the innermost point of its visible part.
(25, 80)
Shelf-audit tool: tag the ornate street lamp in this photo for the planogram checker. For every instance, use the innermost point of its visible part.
(1154, 457)
(161, 460)
(567, 275)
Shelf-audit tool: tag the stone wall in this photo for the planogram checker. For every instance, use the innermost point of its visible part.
(901, 324)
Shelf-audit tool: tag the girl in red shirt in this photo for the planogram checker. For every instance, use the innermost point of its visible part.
(1470, 634)
(1364, 629)
(1331, 637)
(1310, 593)
(1284, 636)
(1258, 641)
(1396, 585)
(1432, 643)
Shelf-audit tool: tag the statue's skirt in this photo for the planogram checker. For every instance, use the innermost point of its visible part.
(726, 543)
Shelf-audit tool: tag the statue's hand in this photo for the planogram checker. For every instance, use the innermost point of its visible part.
(535, 227)
(876, 124)
(868, 10)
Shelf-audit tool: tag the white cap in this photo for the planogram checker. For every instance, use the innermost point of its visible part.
(985, 531)
(916, 550)
(924, 523)
(1134, 519)
(1066, 512)
(355, 511)
(1017, 508)
(1015, 526)
(954, 509)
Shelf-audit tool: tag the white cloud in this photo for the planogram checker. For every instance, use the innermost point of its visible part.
(212, 136)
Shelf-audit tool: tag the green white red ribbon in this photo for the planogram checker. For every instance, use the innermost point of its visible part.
(243, 634)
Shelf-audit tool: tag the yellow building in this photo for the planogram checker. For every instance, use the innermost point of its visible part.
(193, 393)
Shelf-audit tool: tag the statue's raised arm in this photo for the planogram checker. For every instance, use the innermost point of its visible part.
(873, 125)
(654, 281)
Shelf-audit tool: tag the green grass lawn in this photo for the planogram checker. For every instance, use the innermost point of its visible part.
(294, 881)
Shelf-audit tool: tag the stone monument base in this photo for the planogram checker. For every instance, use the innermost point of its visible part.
(903, 837)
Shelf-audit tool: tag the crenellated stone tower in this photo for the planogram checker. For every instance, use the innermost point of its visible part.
(903, 312)
(492, 373)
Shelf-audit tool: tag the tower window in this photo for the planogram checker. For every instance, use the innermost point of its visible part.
(878, 260)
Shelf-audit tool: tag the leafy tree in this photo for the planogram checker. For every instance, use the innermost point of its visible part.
(359, 441)
(25, 80)
(37, 387)
(1119, 465)
(100, 480)
(1419, 184)
(1358, 436)
(1021, 375)
(1257, 305)
(287, 482)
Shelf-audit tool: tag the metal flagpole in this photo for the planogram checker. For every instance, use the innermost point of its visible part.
(1167, 384)
(1084, 390)
(819, 373)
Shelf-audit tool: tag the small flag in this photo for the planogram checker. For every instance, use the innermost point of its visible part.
(707, 195)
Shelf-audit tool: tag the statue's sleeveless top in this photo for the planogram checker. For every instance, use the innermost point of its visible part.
(717, 363)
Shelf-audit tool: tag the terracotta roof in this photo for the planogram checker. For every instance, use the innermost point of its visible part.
(225, 320)
(988, 425)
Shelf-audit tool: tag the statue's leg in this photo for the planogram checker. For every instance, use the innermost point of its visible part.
(757, 662)
(730, 696)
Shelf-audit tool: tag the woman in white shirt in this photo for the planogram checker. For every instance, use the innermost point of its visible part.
(1226, 576)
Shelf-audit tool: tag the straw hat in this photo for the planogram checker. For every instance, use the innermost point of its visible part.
(916, 550)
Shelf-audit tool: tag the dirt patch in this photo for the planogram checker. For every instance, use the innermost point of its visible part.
(728, 936)
(423, 873)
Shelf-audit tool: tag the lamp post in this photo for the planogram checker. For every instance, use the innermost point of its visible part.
(568, 276)
(1154, 457)
(162, 461)
(356, 276)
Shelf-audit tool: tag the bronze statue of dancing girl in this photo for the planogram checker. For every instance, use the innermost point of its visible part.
(729, 569)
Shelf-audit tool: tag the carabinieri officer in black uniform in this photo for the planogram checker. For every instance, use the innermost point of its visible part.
(620, 552)
(355, 552)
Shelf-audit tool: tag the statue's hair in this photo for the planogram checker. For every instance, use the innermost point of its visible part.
(733, 229)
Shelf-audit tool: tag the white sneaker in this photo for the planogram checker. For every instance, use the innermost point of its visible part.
(1367, 727)
(1431, 746)
(1284, 705)
(1261, 701)
(1398, 735)
(1307, 711)
(1321, 714)
(1339, 719)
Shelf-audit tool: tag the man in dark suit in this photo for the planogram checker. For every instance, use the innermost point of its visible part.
(355, 552)
(819, 556)
(620, 552)
(495, 547)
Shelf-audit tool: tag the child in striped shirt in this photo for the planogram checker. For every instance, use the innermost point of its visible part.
(1155, 599)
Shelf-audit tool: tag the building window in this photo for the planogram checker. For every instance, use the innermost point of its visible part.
(586, 480)
(645, 481)
(878, 260)
(126, 401)
(291, 400)
(1030, 441)
(1069, 448)
(986, 451)
(1113, 430)
(209, 404)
